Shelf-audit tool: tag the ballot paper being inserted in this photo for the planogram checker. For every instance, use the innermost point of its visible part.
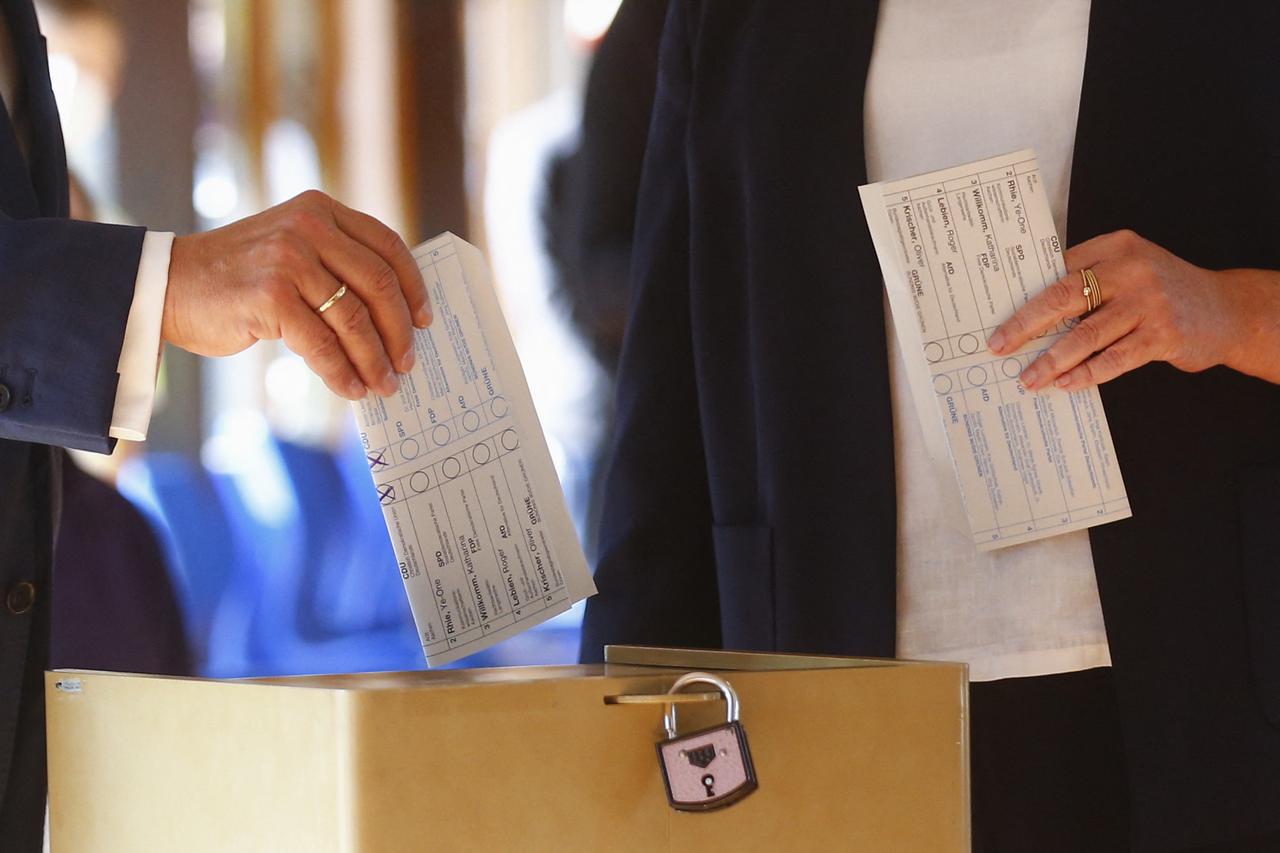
(476, 514)
(961, 249)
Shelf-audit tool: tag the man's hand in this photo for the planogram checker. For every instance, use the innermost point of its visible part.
(263, 278)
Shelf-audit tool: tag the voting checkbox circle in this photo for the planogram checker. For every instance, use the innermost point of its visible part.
(409, 448)
(480, 454)
(420, 482)
(471, 421)
(934, 352)
(942, 384)
(440, 435)
(509, 439)
(1012, 368)
(451, 467)
(498, 407)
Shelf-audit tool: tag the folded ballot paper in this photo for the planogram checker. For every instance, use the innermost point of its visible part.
(477, 518)
(961, 249)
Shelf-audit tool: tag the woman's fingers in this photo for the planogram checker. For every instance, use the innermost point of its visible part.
(1091, 335)
(1095, 250)
(1059, 301)
(1114, 338)
(1130, 352)
(1065, 299)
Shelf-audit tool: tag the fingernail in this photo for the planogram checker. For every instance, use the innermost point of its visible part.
(390, 383)
(356, 389)
(1031, 376)
(1062, 381)
(422, 317)
(997, 342)
(406, 362)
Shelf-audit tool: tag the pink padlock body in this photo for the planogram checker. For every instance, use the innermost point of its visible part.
(684, 779)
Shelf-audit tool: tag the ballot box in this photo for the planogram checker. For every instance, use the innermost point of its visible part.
(848, 754)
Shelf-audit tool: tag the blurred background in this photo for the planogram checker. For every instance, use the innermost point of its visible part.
(258, 548)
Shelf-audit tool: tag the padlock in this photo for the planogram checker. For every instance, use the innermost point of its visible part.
(711, 768)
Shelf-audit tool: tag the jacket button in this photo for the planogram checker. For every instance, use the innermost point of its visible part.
(6, 396)
(21, 597)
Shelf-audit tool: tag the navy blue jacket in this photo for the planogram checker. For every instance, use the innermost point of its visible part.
(65, 291)
(751, 500)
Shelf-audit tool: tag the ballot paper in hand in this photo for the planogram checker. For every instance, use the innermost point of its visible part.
(477, 518)
(961, 249)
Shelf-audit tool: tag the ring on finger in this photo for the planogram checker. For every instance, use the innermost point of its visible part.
(1092, 291)
(1089, 289)
(329, 303)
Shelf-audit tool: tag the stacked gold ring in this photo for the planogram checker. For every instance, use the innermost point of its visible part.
(1092, 291)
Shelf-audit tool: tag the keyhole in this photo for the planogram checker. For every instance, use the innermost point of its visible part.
(707, 782)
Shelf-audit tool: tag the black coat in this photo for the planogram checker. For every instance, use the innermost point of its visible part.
(751, 502)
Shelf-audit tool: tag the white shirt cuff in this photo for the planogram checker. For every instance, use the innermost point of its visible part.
(140, 354)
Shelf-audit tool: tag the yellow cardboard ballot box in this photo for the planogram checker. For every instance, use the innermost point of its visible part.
(849, 754)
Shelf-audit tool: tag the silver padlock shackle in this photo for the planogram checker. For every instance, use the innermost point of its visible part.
(730, 697)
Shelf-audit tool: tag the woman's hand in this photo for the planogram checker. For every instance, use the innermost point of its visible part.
(1155, 307)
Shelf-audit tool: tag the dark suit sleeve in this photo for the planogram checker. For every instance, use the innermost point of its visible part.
(656, 573)
(65, 292)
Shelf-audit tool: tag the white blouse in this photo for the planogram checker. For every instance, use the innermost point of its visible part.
(950, 83)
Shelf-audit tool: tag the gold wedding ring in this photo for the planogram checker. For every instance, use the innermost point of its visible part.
(338, 294)
(1092, 291)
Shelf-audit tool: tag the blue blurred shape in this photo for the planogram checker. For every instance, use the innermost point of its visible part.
(179, 499)
(288, 509)
(358, 584)
(282, 562)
